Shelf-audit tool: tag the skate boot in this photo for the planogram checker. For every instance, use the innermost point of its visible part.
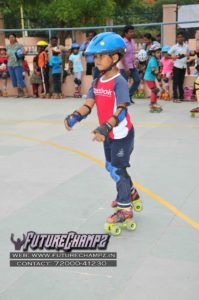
(155, 108)
(194, 111)
(162, 95)
(48, 96)
(43, 95)
(77, 94)
(61, 96)
(166, 96)
(122, 218)
(135, 201)
(55, 96)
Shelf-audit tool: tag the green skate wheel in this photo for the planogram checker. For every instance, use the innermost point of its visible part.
(138, 207)
(131, 225)
(115, 230)
(107, 227)
(193, 114)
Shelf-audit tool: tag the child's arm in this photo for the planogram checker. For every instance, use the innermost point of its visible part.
(79, 114)
(70, 66)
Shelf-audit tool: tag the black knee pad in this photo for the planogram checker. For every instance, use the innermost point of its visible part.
(79, 82)
(155, 90)
(166, 80)
(76, 81)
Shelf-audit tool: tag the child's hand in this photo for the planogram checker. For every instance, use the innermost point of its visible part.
(98, 137)
(128, 73)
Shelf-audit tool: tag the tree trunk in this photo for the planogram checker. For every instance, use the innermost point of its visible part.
(2, 34)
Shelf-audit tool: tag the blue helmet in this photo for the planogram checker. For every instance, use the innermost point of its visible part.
(19, 54)
(75, 46)
(166, 48)
(106, 43)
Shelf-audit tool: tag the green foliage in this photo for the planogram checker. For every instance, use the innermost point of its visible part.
(73, 13)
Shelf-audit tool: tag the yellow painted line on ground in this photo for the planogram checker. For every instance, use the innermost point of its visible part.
(162, 201)
(94, 121)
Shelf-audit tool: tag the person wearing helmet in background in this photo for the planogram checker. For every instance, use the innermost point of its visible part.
(150, 76)
(142, 63)
(42, 63)
(111, 95)
(15, 53)
(166, 71)
(127, 63)
(36, 79)
(76, 67)
(3, 71)
(55, 63)
(64, 54)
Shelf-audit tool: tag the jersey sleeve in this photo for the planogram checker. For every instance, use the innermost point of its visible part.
(121, 91)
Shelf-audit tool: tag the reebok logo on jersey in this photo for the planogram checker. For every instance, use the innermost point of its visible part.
(103, 92)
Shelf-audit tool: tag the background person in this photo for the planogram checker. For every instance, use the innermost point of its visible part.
(90, 64)
(127, 64)
(3, 71)
(179, 52)
(15, 53)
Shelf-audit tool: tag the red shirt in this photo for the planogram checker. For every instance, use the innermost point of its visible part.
(108, 94)
(3, 64)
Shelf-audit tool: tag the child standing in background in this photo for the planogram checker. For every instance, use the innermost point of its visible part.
(3, 71)
(152, 72)
(42, 62)
(36, 80)
(55, 63)
(167, 69)
(75, 64)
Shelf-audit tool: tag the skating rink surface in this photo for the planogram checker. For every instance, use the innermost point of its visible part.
(53, 181)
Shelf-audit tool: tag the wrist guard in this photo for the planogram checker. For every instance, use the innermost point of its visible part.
(77, 117)
(104, 129)
(73, 118)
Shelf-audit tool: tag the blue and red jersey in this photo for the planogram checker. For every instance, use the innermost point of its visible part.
(108, 95)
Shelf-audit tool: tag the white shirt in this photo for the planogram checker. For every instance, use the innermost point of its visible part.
(180, 49)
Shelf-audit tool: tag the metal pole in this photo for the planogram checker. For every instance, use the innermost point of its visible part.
(22, 21)
(49, 35)
(162, 34)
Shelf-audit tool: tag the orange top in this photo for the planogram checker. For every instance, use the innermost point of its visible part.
(42, 59)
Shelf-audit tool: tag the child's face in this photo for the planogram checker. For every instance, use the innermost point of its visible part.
(102, 61)
(157, 54)
(75, 50)
(2, 52)
(39, 49)
(166, 55)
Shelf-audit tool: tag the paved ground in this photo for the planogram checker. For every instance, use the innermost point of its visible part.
(53, 181)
